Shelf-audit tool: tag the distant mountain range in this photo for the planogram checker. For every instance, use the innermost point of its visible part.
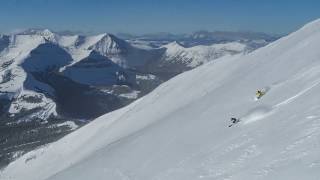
(204, 37)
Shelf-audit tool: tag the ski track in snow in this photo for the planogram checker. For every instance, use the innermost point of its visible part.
(256, 114)
(287, 101)
(264, 111)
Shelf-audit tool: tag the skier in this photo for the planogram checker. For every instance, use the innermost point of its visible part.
(234, 121)
(259, 94)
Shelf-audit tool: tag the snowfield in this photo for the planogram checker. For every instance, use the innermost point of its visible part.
(180, 130)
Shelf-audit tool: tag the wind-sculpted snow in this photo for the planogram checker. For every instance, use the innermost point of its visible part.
(180, 130)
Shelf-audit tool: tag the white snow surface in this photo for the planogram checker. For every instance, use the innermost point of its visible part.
(180, 130)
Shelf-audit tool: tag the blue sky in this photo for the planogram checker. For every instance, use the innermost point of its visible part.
(149, 16)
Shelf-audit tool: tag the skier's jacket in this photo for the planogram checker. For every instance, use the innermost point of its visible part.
(259, 93)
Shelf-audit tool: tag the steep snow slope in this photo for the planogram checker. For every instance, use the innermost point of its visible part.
(180, 130)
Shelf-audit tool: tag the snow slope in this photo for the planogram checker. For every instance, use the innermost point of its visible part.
(180, 130)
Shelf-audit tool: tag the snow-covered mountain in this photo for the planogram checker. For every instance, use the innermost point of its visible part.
(17, 84)
(51, 82)
(100, 60)
(178, 58)
(198, 55)
(108, 45)
(180, 130)
(45, 33)
(28, 57)
(47, 81)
